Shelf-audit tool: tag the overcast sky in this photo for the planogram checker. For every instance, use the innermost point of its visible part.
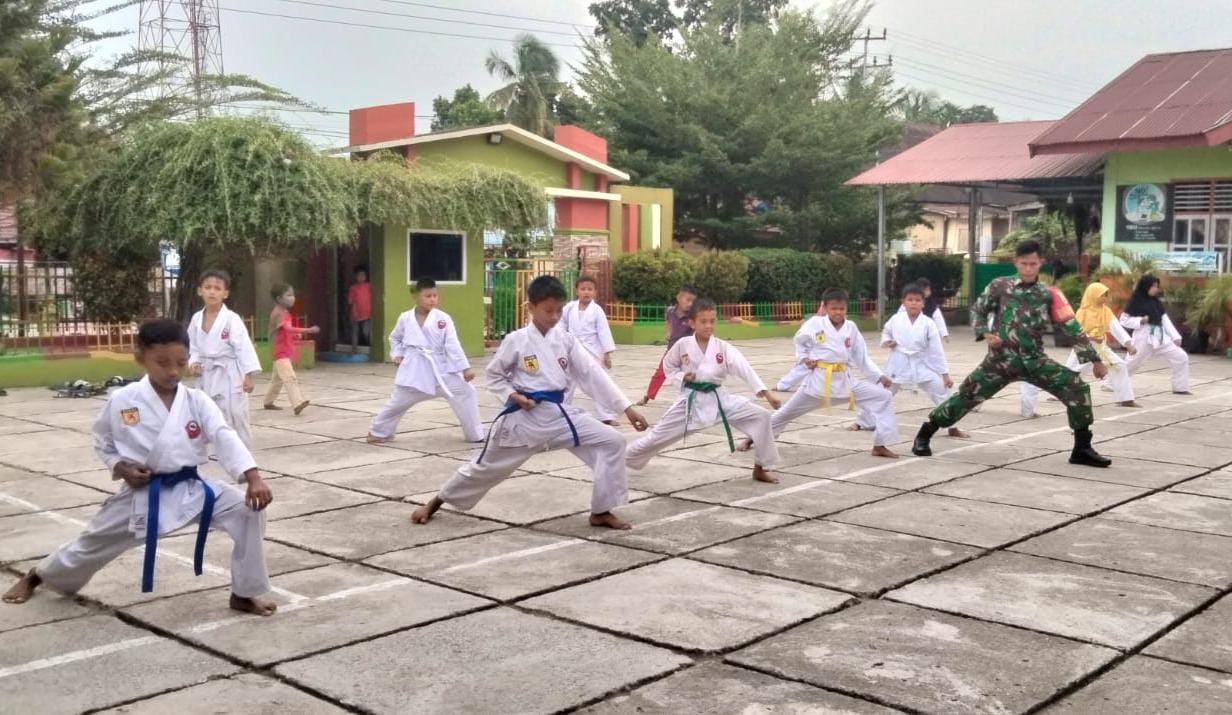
(1029, 60)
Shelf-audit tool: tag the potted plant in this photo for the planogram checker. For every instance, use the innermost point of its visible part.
(1212, 312)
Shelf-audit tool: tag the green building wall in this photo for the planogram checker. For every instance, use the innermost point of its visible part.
(534, 165)
(1162, 167)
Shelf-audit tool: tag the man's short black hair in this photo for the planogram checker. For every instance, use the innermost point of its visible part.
(700, 305)
(834, 294)
(425, 284)
(359, 269)
(278, 289)
(218, 273)
(161, 332)
(584, 278)
(688, 289)
(913, 289)
(545, 287)
(1028, 247)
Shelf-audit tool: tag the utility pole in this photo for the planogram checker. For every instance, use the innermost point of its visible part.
(867, 38)
(187, 29)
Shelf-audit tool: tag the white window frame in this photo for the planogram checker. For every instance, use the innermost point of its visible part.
(462, 234)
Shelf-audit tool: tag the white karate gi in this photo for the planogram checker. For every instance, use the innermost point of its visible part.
(590, 327)
(432, 366)
(1158, 341)
(797, 373)
(136, 426)
(938, 319)
(720, 361)
(226, 355)
(1118, 371)
(529, 361)
(818, 339)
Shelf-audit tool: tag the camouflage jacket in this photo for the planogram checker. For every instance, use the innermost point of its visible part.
(1019, 312)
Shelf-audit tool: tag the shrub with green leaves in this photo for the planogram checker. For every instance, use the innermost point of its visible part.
(945, 273)
(651, 277)
(114, 287)
(721, 276)
(1072, 287)
(782, 274)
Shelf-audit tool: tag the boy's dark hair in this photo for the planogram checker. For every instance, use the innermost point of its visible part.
(833, 294)
(699, 305)
(161, 332)
(688, 289)
(359, 269)
(545, 287)
(585, 279)
(913, 289)
(278, 289)
(1028, 247)
(218, 273)
(425, 284)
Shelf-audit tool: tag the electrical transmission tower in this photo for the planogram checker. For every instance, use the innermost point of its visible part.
(185, 29)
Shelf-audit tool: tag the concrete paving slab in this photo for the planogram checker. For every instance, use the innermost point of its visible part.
(849, 558)
(672, 526)
(264, 437)
(992, 454)
(57, 460)
(94, 654)
(551, 666)
(22, 496)
(324, 457)
(1147, 685)
(49, 440)
(1145, 448)
(512, 563)
(1215, 484)
(926, 661)
(353, 426)
(1205, 639)
(28, 536)
(717, 689)
(789, 454)
(99, 479)
(10, 426)
(690, 605)
(340, 604)
(1038, 491)
(13, 474)
(394, 480)
(1106, 607)
(532, 498)
(370, 529)
(256, 694)
(1138, 548)
(285, 417)
(1203, 432)
(45, 607)
(799, 496)
(665, 475)
(296, 497)
(1188, 512)
(959, 520)
(1131, 472)
(1173, 411)
(906, 473)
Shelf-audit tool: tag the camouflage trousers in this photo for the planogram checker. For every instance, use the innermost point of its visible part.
(1002, 367)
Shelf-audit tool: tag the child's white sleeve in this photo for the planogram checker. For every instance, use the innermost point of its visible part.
(1170, 329)
(939, 318)
(245, 352)
(737, 365)
(936, 354)
(396, 349)
(860, 357)
(194, 339)
(605, 332)
(1133, 323)
(887, 332)
(232, 454)
(672, 368)
(104, 438)
(453, 349)
(1116, 330)
(500, 368)
(802, 341)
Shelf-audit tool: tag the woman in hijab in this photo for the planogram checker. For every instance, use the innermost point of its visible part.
(1154, 333)
(1098, 322)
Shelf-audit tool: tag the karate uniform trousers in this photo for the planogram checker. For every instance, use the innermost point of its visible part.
(753, 420)
(464, 401)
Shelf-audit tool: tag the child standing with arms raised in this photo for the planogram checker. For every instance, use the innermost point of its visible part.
(702, 362)
(585, 320)
(221, 352)
(531, 372)
(283, 334)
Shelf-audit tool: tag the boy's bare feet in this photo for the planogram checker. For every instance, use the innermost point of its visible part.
(424, 513)
(957, 433)
(1129, 403)
(253, 605)
(761, 475)
(609, 520)
(854, 428)
(745, 445)
(642, 402)
(373, 439)
(300, 407)
(271, 407)
(21, 591)
(881, 451)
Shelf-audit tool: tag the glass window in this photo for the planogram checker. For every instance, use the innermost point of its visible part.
(435, 255)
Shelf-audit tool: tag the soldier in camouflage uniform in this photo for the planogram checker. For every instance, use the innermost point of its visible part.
(1020, 308)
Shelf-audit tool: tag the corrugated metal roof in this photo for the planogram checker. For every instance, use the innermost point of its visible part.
(1166, 100)
(970, 153)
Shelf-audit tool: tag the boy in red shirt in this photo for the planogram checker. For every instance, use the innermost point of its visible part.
(359, 303)
(283, 334)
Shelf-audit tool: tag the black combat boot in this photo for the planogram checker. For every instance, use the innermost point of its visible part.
(920, 448)
(1084, 453)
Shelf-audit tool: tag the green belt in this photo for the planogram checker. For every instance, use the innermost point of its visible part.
(709, 388)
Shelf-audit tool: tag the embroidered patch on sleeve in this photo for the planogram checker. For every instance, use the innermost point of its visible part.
(131, 416)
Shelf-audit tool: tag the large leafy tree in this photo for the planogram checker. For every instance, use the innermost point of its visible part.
(532, 78)
(756, 136)
(466, 109)
(639, 20)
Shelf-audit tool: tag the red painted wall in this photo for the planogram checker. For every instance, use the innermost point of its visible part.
(581, 141)
(369, 125)
(581, 213)
(573, 176)
(632, 226)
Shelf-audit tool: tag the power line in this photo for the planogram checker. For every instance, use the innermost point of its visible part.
(925, 66)
(424, 17)
(384, 27)
(481, 12)
(929, 45)
(968, 92)
(988, 86)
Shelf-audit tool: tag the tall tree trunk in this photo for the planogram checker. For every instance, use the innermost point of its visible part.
(192, 262)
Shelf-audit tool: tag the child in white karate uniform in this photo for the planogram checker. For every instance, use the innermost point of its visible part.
(932, 309)
(701, 362)
(221, 352)
(152, 434)
(798, 370)
(830, 346)
(917, 358)
(424, 345)
(1154, 333)
(586, 321)
(531, 372)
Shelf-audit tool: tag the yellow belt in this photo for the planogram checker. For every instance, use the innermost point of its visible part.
(831, 368)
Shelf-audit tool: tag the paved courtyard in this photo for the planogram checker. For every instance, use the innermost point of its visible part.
(992, 578)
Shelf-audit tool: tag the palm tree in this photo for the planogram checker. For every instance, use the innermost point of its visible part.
(532, 84)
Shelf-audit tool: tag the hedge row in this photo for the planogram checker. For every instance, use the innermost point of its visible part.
(750, 275)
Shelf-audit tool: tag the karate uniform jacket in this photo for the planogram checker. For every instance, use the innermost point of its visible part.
(428, 353)
(818, 339)
(917, 356)
(225, 353)
(589, 327)
(720, 361)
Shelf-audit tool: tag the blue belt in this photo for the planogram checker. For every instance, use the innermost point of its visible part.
(157, 482)
(556, 397)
